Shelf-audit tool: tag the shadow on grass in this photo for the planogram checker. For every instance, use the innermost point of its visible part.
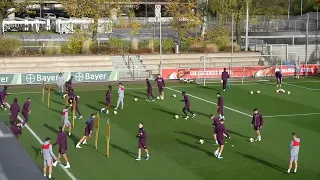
(141, 93)
(165, 111)
(196, 137)
(93, 108)
(52, 90)
(36, 150)
(238, 134)
(212, 88)
(136, 96)
(261, 161)
(195, 147)
(125, 151)
(55, 110)
(58, 102)
(202, 114)
(104, 104)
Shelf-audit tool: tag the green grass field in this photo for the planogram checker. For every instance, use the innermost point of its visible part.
(173, 143)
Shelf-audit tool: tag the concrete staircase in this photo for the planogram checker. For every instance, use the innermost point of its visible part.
(121, 63)
(139, 71)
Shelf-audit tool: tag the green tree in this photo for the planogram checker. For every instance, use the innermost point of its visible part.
(185, 17)
(225, 9)
(95, 9)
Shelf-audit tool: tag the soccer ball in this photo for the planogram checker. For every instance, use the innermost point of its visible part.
(201, 141)
(251, 92)
(115, 112)
(283, 91)
(158, 97)
(258, 92)
(174, 95)
(135, 99)
(176, 116)
(251, 139)
(288, 92)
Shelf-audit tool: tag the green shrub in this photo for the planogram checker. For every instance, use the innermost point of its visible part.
(143, 44)
(52, 48)
(116, 43)
(211, 48)
(221, 36)
(77, 41)
(167, 45)
(228, 48)
(9, 47)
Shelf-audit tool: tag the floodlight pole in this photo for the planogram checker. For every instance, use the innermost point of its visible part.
(247, 27)
(160, 45)
(232, 21)
(301, 5)
(307, 42)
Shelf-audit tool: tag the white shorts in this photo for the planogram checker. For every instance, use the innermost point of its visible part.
(294, 157)
(47, 162)
(67, 123)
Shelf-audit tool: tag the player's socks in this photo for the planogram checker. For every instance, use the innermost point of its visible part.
(55, 164)
(49, 176)
(78, 146)
(288, 170)
(138, 159)
(69, 133)
(219, 156)
(259, 138)
(45, 175)
(217, 143)
(84, 142)
(193, 115)
(107, 112)
(216, 152)
(80, 117)
(295, 171)
(224, 89)
(102, 109)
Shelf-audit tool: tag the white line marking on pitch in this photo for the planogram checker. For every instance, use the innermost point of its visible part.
(234, 110)
(302, 87)
(86, 90)
(292, 115)
(40, 141)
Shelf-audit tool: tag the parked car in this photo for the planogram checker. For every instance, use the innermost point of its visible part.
(49, 15)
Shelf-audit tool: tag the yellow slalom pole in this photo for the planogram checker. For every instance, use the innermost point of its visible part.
(108, 137)
(49, 94)
(97, 123)
(42, 91)
(73, 110)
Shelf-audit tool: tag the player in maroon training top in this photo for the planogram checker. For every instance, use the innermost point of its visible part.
(187, 105)
(87, 131)
(257, 123)
(14, 110)
(161, 86)
(63, 146)
(16, 128)
(77, 106)
(26, 111)
(149, 91)
(142, 135)
(220, 106)
(221, 132)
(215, 121)
(108, 101)
(224, 78)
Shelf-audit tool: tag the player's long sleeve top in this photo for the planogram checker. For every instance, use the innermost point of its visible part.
(224, 76)
(257, 120)
(121, 91)
(160, 82)
(108, 95)
(26, 107)
(46, 149)
(16, 131)
(220, 102)
(60, 81)
(61, 140)
(14, 110)
(186, 100)
(142, 134)
(90, 124)
(221, 130)
(294, 147)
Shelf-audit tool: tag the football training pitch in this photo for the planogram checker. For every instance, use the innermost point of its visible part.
(173, 143)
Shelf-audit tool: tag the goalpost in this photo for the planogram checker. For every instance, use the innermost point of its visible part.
(242, 68)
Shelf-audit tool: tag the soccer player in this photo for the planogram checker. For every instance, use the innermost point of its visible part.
(68, 85)
(220, 106)
(16, 128)
(65, 120)
(47, 154)
(221, 133)
(142, 135)
(294, 152)
(121, 96)
(2, 100)
(215, 121)
(63, 146)
(108, 101)
(71, 95)
(26, 111)
(77, 106)
(60, 82)
(14, 110)
(161, 86)
(224, 78)
(149, 91)
(257, 123)
(187, 106)
(296, 69)
(5, 93)
(278, 77)
(87, 131)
